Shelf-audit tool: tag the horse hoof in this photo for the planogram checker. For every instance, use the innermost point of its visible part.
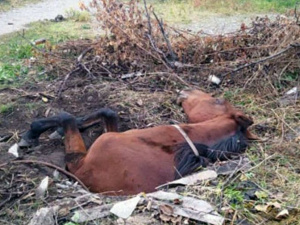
(23, 143)
(55, 135)
(27, 142)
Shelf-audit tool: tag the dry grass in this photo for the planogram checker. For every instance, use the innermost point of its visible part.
(6, 5)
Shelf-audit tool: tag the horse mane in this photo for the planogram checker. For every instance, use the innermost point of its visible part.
(187, 162)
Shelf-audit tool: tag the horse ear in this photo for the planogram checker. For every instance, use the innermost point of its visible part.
(243, 120)
(251, 136)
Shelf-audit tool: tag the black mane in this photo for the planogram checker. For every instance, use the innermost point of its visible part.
(187, 162)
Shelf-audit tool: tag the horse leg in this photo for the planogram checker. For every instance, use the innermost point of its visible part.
(109, 116)
(74, 146)
(31, 137)
(110, 120)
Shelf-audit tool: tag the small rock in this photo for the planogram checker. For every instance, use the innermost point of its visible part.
(90, 98)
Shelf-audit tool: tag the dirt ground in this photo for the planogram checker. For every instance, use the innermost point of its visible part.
(84, 98)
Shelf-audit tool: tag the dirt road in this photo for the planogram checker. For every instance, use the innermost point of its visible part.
(16, 19)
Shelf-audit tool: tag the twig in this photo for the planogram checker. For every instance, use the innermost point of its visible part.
(10, 194)
(283, 121)
(65, 80)
(82, 65)
(255, 62)
(149, 19)
(149, 35)
(234, 217)
(165, 37)
(263, 161)
(49, 165)
(5, 137)
(237, 168)
(80, 57)
(296, 14)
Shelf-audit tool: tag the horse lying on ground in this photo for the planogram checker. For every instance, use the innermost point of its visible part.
(141, 159)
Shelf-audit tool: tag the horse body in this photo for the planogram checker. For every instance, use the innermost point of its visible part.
(142, 159)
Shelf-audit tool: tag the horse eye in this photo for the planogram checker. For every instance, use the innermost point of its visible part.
(220, 101)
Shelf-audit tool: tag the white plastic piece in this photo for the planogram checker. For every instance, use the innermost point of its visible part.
(214, 79)
(14, 150)
(292, 91)
(125, 208)
(42, 188)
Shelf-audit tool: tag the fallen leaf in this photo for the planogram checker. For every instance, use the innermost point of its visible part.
(283, 214)
(166, 209)
(262, 208)
(63, 211)
(177, 201)
(261, 194)
(165, 218)
(276, 205)
(45, 99)
(176, 220)
(243, 177)
(268, 207)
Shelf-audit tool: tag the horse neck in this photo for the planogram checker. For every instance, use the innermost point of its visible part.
(211, 131)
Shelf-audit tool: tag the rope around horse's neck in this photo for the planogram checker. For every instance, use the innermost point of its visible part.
(188, 140)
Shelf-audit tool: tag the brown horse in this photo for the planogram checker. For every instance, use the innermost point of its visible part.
(142, 159)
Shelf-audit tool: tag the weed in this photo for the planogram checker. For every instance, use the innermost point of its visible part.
(235, 197)
(86, 26)
(8, 73)
(79, 16)
(17, 51)
(14, 48)
(7, 108)
(70, 223)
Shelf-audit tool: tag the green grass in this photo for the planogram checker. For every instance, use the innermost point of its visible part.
(6, 108)
(6, 5)
(190, 10)
(16, 48)
(79, 16)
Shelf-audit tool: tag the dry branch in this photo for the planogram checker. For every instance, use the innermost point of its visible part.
(46, 164)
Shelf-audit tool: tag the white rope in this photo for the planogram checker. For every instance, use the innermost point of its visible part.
(188, 140)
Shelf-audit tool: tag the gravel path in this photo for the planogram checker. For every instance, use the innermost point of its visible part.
(16, 19)
(221, 24)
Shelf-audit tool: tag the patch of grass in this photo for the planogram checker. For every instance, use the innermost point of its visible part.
(191, 10)
(235, 197)
(6, 5)
(16, 49)
(79, 16)
(6, 108)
